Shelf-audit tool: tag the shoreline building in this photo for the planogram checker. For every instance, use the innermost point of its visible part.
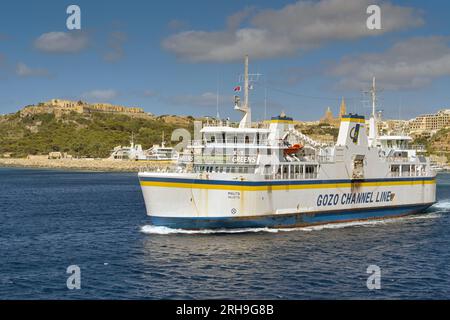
(392, 126)
(429, 124)
(60, 107)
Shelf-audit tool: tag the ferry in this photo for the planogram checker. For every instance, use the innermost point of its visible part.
(162, 152)
(254, 175)
(131, 152)
(135, 152)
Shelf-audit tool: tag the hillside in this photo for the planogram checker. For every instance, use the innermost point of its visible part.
(82, 134)
(440, 143)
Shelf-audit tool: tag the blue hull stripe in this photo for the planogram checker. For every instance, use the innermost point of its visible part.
(287, 220)
(278, 182)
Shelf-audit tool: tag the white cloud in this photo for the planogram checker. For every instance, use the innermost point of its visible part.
(235, 20)
(291, 76)
(116, 42)
(62, 42)
(412, 63)
(149, 93)
(295, 27)
(22, 70)
(100, 95)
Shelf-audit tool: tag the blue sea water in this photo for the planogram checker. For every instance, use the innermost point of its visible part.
(50, 220)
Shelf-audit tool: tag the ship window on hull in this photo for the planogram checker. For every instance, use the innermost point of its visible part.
(310, 171)
(395, 170)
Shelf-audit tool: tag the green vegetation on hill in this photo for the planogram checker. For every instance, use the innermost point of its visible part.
(320, 129)
(81, 135)
(439, 144)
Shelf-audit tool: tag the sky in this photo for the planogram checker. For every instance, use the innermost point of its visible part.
(173, 57)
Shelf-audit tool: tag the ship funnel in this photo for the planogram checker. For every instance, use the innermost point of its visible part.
(352, 131)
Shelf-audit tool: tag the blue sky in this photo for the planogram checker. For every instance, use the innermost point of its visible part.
(170, 57)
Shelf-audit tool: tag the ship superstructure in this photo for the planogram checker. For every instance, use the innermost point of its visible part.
(272, 175)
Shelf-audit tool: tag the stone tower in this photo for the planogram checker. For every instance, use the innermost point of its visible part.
(343, 109)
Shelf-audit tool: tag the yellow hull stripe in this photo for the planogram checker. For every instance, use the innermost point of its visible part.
(282, 121)
(353, 120)
(282, 187)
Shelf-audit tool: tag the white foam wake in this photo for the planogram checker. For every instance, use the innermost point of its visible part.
(370, 223)
(442, 206)
(159, 230)
(149, 229)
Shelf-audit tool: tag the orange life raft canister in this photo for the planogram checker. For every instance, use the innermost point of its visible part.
(293, 149)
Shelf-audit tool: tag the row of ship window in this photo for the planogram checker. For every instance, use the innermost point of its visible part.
(289, 171)
(234, 139)
(225, 169)
(407, 170)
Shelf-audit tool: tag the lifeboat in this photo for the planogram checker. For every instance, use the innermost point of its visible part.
(293, 149)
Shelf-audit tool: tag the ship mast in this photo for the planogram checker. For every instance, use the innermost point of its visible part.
(246, 120)
(246, 83)
(373, 119)
(373, 92)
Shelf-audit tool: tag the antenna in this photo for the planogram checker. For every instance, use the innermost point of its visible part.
(217, 99)
(373, 92)
(265, 103)
(373, 130)
(246, 120)
(246, 106)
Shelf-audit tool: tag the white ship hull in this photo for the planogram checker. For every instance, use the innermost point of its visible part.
(185, 201)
